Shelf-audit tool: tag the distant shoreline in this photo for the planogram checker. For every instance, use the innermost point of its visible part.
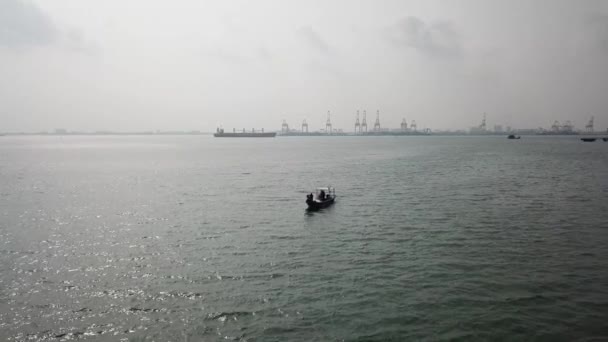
(316, 134)
(99, 133)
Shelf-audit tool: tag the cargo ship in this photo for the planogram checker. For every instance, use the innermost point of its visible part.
(253, 134)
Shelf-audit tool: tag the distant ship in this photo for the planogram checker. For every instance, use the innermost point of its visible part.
(253, 134)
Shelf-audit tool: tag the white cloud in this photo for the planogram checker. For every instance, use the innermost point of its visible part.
(22, 23)
(313, 39)
(437, 38)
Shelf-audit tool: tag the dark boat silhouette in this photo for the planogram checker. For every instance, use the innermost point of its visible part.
(322, 198)
(512, 136)
(588, 139)
(605, 139)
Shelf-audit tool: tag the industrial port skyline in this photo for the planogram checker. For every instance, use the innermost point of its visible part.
(361, 126)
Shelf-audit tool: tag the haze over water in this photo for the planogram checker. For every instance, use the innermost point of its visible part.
(188, 238)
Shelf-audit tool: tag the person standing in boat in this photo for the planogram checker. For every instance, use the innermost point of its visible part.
(322, 195)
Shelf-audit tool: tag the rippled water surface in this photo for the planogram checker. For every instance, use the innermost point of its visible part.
(189, 238)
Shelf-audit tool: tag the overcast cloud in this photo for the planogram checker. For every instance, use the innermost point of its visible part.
(194, 65)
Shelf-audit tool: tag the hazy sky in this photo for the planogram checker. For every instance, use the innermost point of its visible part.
(193, 64)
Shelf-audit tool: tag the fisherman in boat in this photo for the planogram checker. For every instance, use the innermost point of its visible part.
(322, 195)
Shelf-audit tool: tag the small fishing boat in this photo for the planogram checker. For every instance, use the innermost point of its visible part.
(513, 136)
(605, 139)
(588, 139)
(322, 198)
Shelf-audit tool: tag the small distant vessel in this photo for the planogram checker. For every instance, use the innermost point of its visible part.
(513, 136)
(322, 198)
(605, 139)
(253, 134)
(588, 139)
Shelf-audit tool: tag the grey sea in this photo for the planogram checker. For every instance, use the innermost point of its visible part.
(195, 238)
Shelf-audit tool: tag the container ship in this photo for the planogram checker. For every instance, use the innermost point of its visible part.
(253, 134)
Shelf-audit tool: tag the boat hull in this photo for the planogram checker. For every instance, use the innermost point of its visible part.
(245, 135)
(316, 205)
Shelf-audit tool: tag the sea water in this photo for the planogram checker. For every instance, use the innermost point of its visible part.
(193, 238)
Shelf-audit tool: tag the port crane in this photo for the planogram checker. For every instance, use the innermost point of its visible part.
(328, 127)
